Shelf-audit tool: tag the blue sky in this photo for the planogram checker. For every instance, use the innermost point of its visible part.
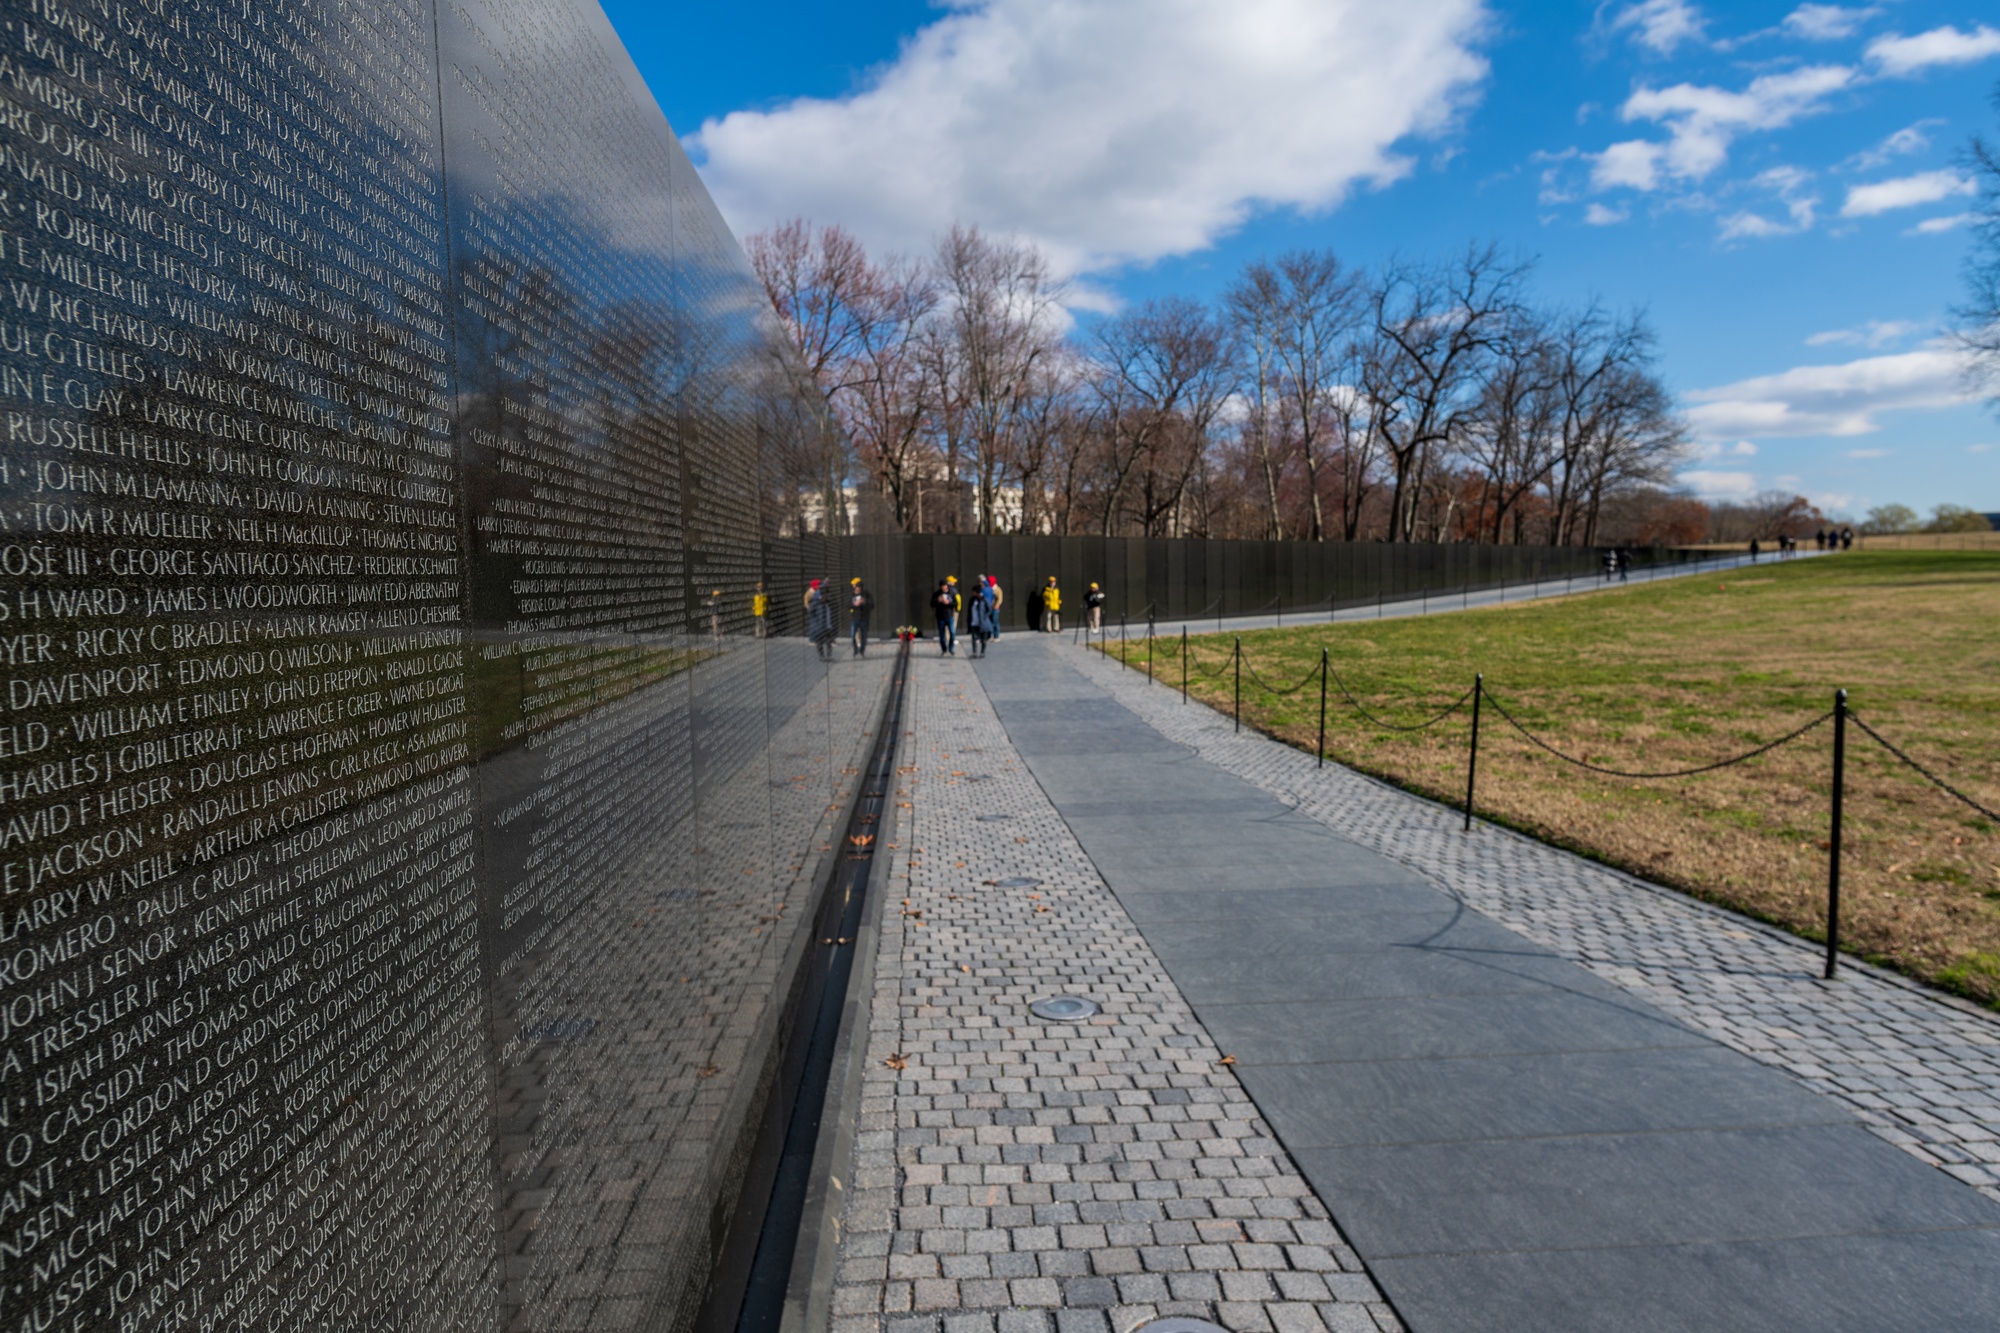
(1777, 184)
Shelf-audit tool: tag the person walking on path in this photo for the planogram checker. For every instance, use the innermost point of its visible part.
(819, 619)
(1052, 608)
(981, 619)
(860, 602)
(1093, 608)
(1037, 598)
(942, 604)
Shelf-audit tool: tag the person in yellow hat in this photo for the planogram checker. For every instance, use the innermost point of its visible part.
(1052, 607)
(860, 602)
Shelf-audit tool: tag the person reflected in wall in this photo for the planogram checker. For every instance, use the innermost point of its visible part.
(1093, 608)
(860, 603)
(1052, 607)
(943, 605)
(1036, 599)
(819, 619)
(760, 609)
(980, 618)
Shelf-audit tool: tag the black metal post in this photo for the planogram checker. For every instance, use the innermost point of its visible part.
(1323, 667)
(1833, 838)
(1472, 761)
(1184, 653)
(1239, 682)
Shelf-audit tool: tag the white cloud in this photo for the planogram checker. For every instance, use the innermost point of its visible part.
(1112, 131)
(1827, 23)
(1597, 215)
(1660, 25)
(1830, 400)
(1868, 453)
(1633, 163)
(1789, 184)
(1704, 121)
(1926, 187)
(1875, 333)
(1909, 139)
(1897, 55)
(1720, 485)
(1709, 451)
(1950, 222)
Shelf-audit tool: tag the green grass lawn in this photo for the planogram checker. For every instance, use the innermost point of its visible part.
(1683, 673)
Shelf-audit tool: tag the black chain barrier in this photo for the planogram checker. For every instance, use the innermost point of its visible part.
(1341, 685)
(1786, 739)
(1305, 681)
(1840, 716)
(1935, 780)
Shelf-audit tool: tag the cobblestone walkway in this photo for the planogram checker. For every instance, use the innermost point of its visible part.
(1018, 1176)
(1923, 1070)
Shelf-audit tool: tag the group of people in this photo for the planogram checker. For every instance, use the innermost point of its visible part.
(979, 612)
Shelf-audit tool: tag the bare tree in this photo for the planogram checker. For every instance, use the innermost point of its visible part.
(1979, 317)
(853, 325)
(1511, 438)
(1164, 374)
(1435, 328)
(1001, 319)
(1299, 316)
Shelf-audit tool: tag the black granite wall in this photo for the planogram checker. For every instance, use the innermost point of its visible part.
(406, 831)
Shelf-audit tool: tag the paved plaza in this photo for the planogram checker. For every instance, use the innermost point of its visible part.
(1356, 1068)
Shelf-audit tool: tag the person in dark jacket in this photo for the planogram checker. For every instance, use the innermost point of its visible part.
(944, 606)
(982, 616)
(819, 619)
(860, 602)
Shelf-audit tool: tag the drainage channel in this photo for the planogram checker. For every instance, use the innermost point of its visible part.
(839, 923)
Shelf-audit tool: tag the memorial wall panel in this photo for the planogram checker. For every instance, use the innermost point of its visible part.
(406, 828)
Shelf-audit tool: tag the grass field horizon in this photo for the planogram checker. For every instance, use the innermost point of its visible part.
(1686, 672)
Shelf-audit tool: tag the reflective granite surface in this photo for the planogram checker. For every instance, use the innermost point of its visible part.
(405, 828)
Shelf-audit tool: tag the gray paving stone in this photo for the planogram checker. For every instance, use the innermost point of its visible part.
(1103, 1172)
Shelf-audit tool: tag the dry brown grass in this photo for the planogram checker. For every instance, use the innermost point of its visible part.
(1684, 673)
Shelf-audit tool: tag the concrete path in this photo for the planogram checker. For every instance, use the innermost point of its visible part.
(1509, 1140)
(1446, 600)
